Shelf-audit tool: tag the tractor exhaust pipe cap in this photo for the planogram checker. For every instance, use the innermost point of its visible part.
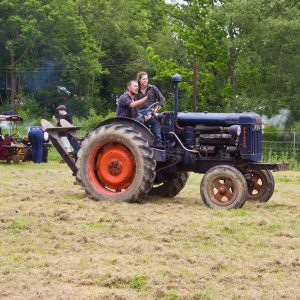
(176, 78)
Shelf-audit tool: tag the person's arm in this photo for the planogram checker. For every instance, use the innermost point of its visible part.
(138, 103)
(56, 121)
(159, 97)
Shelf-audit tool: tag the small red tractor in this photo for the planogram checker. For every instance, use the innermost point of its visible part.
(14, 148)
(11, 148)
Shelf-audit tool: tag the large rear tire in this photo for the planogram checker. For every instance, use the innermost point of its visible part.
(115, 162)
(223, 187)
(169, 188)
(261, 185)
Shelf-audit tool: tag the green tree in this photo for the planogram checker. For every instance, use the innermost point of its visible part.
(123, 29)
(199, 38)
(18, 35)
(34, 32)
(263, 41)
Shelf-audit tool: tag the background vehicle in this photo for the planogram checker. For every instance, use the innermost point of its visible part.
(117, 161)
(13, 147)
(10, 148)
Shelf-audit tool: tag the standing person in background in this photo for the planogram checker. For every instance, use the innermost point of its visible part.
(36, 138)
(62, 110)
(147, 113)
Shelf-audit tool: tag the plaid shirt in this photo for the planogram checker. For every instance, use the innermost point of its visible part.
(123, 108)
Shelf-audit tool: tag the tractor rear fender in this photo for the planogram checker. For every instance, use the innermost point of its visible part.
(134, 124)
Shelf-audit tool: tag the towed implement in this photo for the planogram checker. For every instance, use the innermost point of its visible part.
(117, 160)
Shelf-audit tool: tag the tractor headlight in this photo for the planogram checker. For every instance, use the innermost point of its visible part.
(235, 130)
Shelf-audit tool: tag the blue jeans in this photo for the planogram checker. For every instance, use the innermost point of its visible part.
(155, 128)
(36, 138)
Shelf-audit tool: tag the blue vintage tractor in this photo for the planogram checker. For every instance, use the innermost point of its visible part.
(117, 160)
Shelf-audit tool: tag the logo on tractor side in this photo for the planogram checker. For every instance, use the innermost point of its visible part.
(258, 125)
(244, 137)
(258, 121)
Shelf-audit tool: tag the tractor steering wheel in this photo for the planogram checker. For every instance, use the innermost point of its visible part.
(155, 106)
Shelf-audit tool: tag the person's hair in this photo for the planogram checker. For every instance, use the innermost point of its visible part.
(130, 82)
(139, 75)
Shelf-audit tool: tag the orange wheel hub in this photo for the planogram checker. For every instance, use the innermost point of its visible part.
(115, 167)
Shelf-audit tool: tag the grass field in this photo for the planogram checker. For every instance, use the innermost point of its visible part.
(58, 244)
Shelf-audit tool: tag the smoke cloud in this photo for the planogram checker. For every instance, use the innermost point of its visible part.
(277, 120)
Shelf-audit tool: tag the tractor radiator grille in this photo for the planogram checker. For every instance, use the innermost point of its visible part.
(254, 142)
(251, 143)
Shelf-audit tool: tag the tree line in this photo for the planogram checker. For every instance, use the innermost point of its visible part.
(247, 53)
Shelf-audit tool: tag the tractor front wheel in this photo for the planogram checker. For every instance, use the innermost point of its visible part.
(169, 188)
(223, 187)
(261, 185)
(115, 162)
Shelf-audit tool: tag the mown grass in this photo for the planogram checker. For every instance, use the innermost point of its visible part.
(58, 244)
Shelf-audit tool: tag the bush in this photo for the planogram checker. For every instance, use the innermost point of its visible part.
(29, 108)
(81, 106)
(92, 120)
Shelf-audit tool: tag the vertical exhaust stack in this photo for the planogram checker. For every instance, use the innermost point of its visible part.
(176, 79)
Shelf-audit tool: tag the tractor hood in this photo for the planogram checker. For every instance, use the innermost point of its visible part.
(218, 119)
